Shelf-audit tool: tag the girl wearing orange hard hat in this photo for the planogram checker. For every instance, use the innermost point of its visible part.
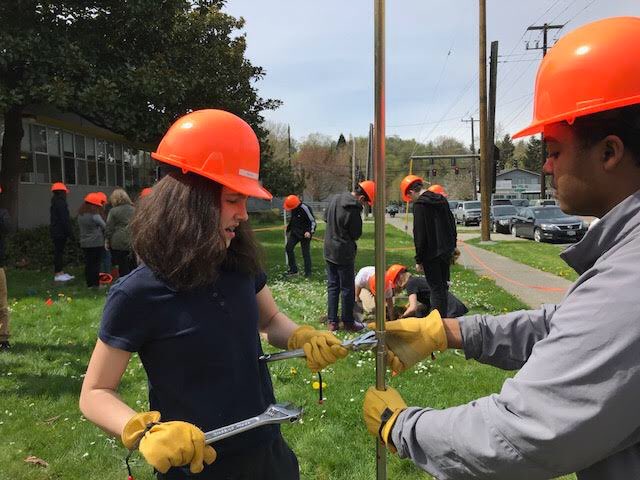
(193, 309)
(91, 223)
(59, 229)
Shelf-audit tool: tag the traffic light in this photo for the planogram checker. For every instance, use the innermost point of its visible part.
(434, 172)
(456, 170)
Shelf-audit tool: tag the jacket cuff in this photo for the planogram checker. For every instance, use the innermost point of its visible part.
(471, 336)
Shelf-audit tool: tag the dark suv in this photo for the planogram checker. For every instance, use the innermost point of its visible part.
(548, 223)
(502, 217)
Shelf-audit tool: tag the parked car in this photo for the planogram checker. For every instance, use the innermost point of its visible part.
(468, 213)
(392, 210)
(502, 217)
(548, 223)
(544, 202)
(453, 204)
(520, 202)
(501, 201)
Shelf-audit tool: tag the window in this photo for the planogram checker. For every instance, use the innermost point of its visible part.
(102, 165)
(128, 157)
(118, 155)
(55, 161)
(111, 164)
(69, 161)
(27, 171)
(42, 168)
(92, 172)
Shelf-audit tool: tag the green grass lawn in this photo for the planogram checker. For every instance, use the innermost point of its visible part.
(40, 379)
(543, 256)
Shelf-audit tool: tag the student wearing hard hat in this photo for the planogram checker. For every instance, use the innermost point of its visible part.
(92, 225)
(301, 227)
(344, 227)
(365, 283)
(573, 404)
(434, 236)
(59, 229)
(192, 311)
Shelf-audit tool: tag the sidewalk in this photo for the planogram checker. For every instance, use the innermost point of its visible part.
(532, 286)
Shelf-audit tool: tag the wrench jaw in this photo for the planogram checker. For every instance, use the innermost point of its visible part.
(274, 414)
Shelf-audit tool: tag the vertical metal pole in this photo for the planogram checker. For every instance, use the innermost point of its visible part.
(485, 187)
(379, 211)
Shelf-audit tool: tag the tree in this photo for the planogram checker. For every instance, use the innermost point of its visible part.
(533, 155)
(98, 61)
(326, 170)
(507, 149)
(278, 172)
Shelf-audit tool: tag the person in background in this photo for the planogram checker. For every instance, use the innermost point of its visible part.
(59, 229)
(5, 227)
(118, 237)
(365, 294)
(434, 236)
(145, 191)
(105, 262)
(301, 227)
(92, 225)
(343, 229)
(419, 295)
(572, 406)
(193, 311)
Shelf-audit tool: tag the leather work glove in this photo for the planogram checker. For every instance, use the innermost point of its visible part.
(412, 339)
(381, 410)
(321, 348)
(168, 444)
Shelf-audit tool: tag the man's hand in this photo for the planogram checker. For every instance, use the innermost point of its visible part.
(168, 444)
(413, 339)
(321, 347)
(307, 234)
(380, 411)
(419, 268)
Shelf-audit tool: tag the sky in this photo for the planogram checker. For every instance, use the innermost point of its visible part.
(319, 60)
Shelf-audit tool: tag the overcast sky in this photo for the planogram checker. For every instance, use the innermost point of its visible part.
(318, 56)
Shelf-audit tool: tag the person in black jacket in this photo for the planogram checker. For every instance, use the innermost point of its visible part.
(5, 226)
(60, 229)
(301, 228)
(344, 228)
(434, 236)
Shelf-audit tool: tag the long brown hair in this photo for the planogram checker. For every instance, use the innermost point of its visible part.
(176, 233)
(87, 207)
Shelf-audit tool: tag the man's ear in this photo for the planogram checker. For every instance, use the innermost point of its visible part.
(612, 152)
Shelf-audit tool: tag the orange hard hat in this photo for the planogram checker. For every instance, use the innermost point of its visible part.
(105, 278)
(405, 183)
(103, 197)
(392, 273)
(59, 186)
(94, 198)
(291, 202)
(145, 191)
(369, 187)
(372, 285)
(217, 145)
(591, 69)
(439, 189)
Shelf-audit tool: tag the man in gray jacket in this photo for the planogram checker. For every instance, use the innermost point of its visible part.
(573, 406)
(344, 228)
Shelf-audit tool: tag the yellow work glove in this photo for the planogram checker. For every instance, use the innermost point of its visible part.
(321, 347)
(410, 340)
(168, 444)
(381, 410)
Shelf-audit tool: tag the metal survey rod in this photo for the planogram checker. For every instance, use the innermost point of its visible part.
(379, 212)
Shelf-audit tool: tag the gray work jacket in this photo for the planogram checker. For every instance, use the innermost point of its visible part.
(574, 406)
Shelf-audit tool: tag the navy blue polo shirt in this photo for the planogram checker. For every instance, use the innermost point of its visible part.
(199, 348)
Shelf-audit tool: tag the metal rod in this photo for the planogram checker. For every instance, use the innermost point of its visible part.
(485, 187)
(379, 212)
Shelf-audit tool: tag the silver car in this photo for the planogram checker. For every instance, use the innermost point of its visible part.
(468, 213)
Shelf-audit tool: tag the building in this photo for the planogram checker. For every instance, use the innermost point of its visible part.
(65, 147)
(519, 183)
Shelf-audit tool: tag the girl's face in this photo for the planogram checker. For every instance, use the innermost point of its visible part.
(233, 211)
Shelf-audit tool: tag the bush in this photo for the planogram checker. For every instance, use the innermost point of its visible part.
(32, 248)
(263, 217)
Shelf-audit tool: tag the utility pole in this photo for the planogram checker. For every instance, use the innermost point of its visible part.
(473, 160)
(493, 78)
(289, 142)
(353, 162)
(485, 185)
(546, 27)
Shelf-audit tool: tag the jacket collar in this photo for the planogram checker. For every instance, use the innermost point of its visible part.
(621, 222)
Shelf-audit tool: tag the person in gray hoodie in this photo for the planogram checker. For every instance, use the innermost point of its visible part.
(92, 225)
(573, 405)
(117, 231)
(344, 228)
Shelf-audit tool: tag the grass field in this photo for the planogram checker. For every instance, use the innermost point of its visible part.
(543, 256)
(40, 379)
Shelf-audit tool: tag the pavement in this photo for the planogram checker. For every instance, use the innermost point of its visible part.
(532, 286)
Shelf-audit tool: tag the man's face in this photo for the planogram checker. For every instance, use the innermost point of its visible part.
(576, 170)
(414, 195)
